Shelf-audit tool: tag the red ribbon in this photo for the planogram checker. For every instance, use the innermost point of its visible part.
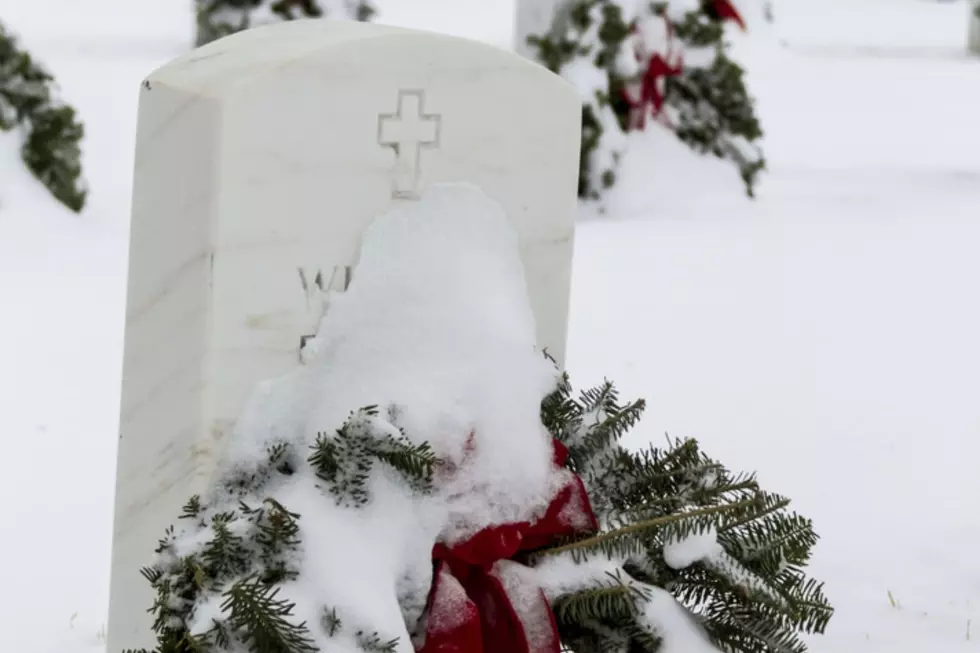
(727, 11)
(651, 99)
(650, 95)
(482, 601)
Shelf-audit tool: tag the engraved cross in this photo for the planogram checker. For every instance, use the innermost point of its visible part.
(408, 132)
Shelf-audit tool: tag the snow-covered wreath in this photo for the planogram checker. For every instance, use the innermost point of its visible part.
(483, 506)
(667, 61)
(218, 18)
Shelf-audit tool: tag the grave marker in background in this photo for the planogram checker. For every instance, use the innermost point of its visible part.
(534, 18)
(974, 30)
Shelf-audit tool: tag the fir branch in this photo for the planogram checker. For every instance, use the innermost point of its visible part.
(372, 643)
(743, 485)
(811, 611)
(278, 536)
(681, 476)
(415, 462)
(51, 131)
(716, 115)
(261, 619)
(192, 509)
(612, 423)
(777, 540)
(684, 524)
(280, 459)
(344, 462)
(613, 598)
(751, 596)
(278, 528)
(560, 414)
(769, 635)
(151, 574)
(330, 622)
(225, 555)
(603, 397)
(767, 504)
(642, 639)
(218, 636)
(249, 478)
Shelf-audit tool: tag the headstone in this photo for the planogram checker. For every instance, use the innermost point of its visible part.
(260, 160)
(534, 18)
(974, 33)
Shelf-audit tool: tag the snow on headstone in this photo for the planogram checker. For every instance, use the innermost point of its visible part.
(261, 158)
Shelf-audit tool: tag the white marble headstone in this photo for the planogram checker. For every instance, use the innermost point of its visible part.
(260, 159)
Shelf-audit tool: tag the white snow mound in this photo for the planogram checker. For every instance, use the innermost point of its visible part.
(437, 322)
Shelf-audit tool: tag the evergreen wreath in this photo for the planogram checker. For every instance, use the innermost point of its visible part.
(218, 579)
(621, 53)
(218, 18)
(51, 131)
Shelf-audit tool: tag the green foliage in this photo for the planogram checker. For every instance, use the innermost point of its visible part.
(744, 584)
(367, 642)
(219, 18)
(713, 107)
(51, 132)
(607, 617)
(596, 30)
(612, 599)
(248, 550)
(372, 643)
(749, 593)
(261, 620)
(238, 552)
(243, 480)
(710, 107)
(345, 461)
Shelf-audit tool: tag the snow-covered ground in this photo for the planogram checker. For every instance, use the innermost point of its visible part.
(825, 334)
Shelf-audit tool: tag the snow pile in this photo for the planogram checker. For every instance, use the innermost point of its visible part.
(683, 553)
(437, 323)
(676, 626)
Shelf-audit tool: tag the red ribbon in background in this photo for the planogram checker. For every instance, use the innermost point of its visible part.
(482, 601)
(727, 11)
(658, 68)
(650, 95)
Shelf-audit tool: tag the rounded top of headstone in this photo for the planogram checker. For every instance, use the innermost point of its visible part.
(236, 59)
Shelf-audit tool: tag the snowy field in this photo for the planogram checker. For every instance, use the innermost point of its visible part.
(826, 334)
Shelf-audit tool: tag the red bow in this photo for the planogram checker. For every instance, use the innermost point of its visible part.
(481, 601)
(727, 11)
(650, 95)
